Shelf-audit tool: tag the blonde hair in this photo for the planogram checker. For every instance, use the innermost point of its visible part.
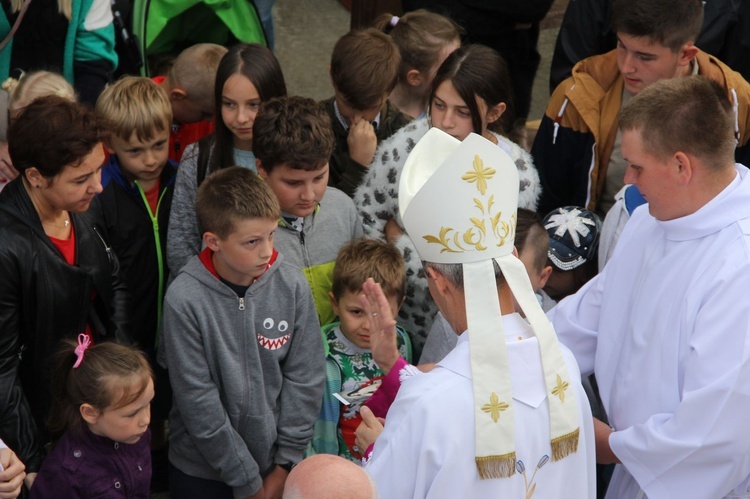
(30, 86)
(135, 103)
(194, 71)
(64, 7)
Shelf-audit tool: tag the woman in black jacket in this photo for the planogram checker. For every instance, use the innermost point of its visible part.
(58, 275)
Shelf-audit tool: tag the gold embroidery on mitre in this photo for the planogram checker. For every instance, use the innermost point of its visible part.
(474, 238)
(495, 407)
(559, 390)
(479, 174)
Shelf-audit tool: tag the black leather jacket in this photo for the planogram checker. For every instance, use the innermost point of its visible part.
(43, 300)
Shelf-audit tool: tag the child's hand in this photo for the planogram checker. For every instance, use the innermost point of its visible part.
(12, 476)
(368, 430)
(392, 231)
(273, 484)
(362, 142)
(382, 326)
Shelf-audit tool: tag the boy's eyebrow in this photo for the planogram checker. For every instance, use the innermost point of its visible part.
(638, 52)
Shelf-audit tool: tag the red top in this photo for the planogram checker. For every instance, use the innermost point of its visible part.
(152, 196)
(182, 136)
(66, 246)
(207, 261)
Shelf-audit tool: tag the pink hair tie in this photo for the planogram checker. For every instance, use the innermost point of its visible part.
(84, 341)
(394, 21)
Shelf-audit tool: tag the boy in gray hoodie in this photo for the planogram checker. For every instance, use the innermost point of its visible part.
(243, 347)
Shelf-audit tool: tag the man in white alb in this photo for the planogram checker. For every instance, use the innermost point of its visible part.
(665, 325)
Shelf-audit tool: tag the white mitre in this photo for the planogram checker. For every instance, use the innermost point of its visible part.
(458, 202)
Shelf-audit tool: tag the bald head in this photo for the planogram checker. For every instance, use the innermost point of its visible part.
(324, 476)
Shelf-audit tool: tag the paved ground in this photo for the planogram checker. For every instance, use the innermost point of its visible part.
(307, 30)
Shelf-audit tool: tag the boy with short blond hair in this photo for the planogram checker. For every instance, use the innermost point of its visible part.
(244, 355)
(138, 183)
(292, 144)
(190, 87)
(351, 372)
(364, 71)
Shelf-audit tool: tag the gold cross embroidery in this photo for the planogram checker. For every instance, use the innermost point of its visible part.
(495, 407)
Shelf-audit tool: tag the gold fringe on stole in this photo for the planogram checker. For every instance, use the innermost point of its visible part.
(496, 466)
(565, 445)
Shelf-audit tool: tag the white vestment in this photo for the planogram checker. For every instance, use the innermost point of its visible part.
(665, 327)
(427, 447)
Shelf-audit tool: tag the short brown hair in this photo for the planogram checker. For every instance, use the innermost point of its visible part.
(135, 104)
(365, 258)
(230, 195)
(292, 131)
(421, 36)
(530, 233)
(194, 71)
(52, 133)
(671, 23)
(110, 375)
(691, 114)
(364, 67)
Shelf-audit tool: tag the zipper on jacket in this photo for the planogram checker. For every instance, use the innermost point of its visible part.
(159, 256)
(106, 246)
(242, 303)
(302, 237)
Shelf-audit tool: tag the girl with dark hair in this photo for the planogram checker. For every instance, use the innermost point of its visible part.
(101, 410)
(248, 74)
(471, 93)
(59, 275)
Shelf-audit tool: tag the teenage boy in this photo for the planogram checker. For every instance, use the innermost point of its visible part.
(292, 145)
(364, 71)
(578, 147)
(351, 372)
(190, 87)
(243, 347)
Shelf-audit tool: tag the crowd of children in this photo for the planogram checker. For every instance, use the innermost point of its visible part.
(217, 235)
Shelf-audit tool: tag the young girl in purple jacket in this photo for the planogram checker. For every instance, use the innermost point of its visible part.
(102, 407)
